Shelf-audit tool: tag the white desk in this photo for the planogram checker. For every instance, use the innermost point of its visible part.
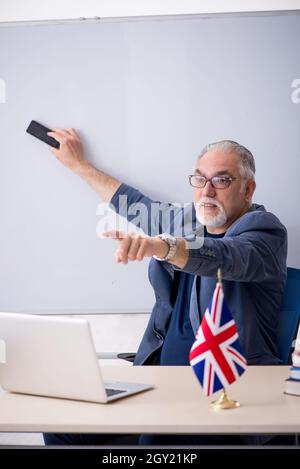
(176, 405)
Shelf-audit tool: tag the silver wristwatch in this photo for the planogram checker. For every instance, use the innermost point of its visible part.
(171, 241)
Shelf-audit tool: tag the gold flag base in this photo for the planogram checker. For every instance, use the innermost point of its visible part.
(224, 402)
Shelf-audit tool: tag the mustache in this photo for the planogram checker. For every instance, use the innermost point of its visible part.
(209, 200)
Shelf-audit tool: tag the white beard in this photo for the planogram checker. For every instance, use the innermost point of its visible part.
(213, 221)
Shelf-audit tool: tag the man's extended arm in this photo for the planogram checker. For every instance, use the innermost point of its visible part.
(252, 255)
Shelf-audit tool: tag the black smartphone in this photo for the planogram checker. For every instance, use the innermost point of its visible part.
(40, 131)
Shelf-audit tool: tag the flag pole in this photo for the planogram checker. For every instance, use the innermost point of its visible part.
(219, 276)
(224, 402)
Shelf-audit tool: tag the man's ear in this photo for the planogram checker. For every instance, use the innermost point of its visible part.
(249, 190)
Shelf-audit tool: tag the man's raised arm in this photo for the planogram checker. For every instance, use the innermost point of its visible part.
(153, 217)
(71, 155)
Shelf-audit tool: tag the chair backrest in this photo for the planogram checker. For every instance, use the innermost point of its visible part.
(289, 315)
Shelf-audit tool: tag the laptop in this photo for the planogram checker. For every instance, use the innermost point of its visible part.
(55, 356)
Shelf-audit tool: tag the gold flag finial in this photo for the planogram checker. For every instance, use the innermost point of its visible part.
(219, 276)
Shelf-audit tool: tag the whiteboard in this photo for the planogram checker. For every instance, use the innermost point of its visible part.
(145, 96)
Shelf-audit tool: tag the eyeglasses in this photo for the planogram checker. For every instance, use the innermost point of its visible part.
(218, 182)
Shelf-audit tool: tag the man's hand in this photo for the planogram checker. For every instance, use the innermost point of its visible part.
(136, 247)
(70, 152)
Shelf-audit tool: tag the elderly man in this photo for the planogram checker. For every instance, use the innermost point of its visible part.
(248, 243)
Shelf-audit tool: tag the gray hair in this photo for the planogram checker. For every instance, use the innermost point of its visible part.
(247, 163)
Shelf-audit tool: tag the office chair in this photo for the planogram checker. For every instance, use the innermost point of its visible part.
(289, 315)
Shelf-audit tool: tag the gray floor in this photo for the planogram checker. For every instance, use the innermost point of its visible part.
(111, 333)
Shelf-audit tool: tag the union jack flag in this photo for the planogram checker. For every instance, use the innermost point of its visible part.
(216, 355)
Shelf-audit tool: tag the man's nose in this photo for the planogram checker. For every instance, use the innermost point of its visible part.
(208, 190)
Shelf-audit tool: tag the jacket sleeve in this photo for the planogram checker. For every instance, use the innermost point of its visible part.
(153, 217)
(251, 256)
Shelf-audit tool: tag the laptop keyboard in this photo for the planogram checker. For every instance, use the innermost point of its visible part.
(112, 392)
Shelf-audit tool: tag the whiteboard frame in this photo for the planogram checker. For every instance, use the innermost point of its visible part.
(56, 10)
